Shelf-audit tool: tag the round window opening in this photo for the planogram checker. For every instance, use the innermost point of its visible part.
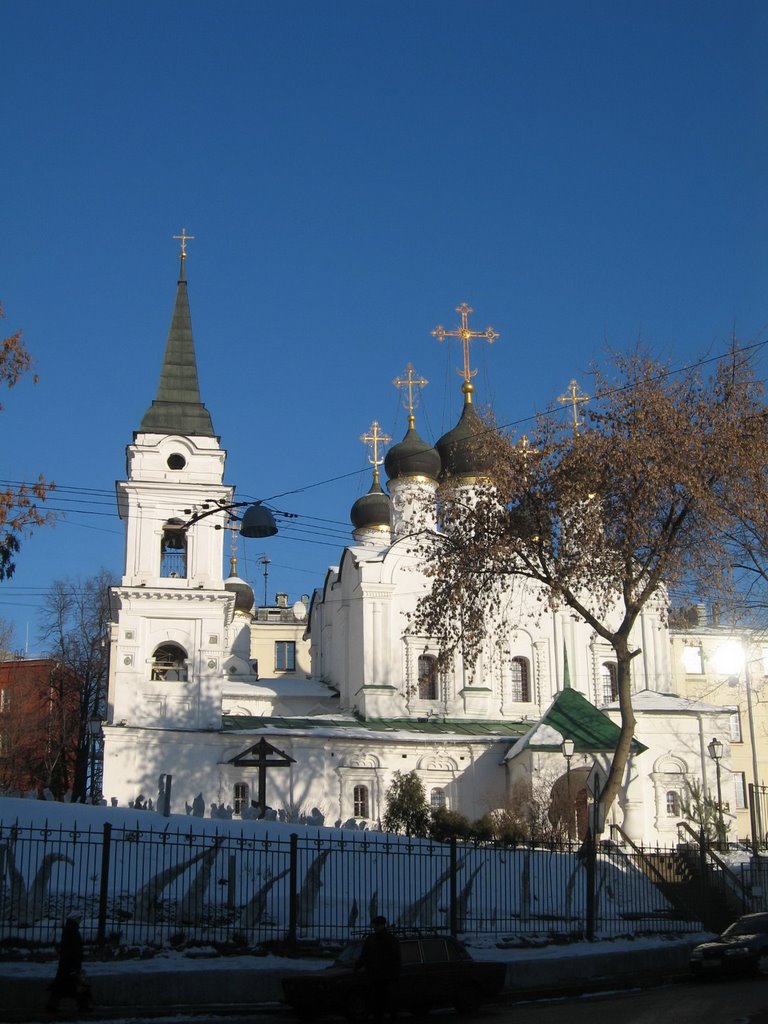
(176, 461)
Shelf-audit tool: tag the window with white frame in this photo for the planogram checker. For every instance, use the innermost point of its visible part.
(609, 679)
(740, 784)
(5, 700)
(427, 675)
(240, 797)
(285, 655)
(736, 727)
(437, 799)
(520, 680)
(673, 804)
(361, 807)
(693, 659)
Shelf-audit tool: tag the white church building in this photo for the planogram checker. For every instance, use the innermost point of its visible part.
(191, 698)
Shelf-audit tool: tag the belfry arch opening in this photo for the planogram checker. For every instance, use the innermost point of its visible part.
(169, 664)
(173, 550)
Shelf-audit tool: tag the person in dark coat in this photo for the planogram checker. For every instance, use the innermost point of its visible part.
(69, 980)
(380, 959)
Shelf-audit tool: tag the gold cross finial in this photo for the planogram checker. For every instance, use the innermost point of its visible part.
(374, 438)
(466, 336)
(527, 449)
(184, 238)
(573, 396)
(410, 381)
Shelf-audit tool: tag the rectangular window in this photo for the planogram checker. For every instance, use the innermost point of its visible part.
(5, 700)
(240, 797)
(285, 655)
(740, 782)
(693, 663)
(736, 727)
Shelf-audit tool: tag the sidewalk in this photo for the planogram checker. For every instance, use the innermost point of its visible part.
(178, 983)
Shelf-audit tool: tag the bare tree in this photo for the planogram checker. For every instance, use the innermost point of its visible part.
(19, 511)
(76, 630)
(604, 517)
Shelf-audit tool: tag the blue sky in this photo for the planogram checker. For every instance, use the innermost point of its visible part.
(584, 174)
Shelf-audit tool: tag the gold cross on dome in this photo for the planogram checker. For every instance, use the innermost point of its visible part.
(526, 448)
(410, 381)
(573, 397)
(466, 337)
(374, 438)
(184, 238)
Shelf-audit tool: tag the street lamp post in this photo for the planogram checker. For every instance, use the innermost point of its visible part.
(567, 747)
(715, 748)
(94, 734)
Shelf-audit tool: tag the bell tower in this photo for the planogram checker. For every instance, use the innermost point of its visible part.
(172, 610)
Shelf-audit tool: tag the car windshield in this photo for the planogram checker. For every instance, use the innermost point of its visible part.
(747, 926)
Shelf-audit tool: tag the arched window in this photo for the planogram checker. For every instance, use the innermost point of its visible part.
(520, 686)
(169, 663)
(173, 550)
(673, 804)
(437, 799)
(427, 669)
(361, 807)
(240, 797)
(609, 677)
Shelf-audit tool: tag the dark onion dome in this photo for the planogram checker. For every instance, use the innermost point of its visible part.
(412, 457)
(461, 450)
(244, 597)
(371, 512)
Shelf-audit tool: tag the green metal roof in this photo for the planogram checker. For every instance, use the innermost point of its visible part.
(240, 723)
(573, 717)
(177, 409)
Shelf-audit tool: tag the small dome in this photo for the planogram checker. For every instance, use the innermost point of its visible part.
(244, 596)
(462, 449)
(412, 457)
(372, 510)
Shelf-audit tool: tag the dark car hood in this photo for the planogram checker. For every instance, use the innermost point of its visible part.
(737, 940)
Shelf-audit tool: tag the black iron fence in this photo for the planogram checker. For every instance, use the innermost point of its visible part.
(758, 815)
(164, 885)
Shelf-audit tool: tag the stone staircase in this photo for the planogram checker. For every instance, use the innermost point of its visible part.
(700, 888)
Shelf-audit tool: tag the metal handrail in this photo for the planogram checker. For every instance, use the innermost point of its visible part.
(709, 852)
(642, 855)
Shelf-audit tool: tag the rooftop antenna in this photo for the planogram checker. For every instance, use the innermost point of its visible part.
(265, 562)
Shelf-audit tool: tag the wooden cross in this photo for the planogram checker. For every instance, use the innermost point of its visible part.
(184, 238)
(572, 395)
(375, 438)
(263, 755)
(466, 337)
(410, 381)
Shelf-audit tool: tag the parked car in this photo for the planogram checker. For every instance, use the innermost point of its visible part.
(435, 971)
(741, 949)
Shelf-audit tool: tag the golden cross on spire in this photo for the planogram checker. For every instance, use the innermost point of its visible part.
(466, 336)
(572, 395)
(410, 381)
(184, 238)
(374, 438)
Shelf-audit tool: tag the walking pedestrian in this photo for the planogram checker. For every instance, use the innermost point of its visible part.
(70, 982)
(380, 959)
